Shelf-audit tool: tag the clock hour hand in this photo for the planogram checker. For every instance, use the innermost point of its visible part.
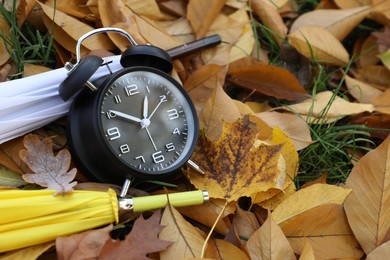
(145, 109)
(125, 116)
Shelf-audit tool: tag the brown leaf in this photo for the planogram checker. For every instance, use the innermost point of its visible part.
(307, 251)
(233, 167)
(86, 245)
(4, 54)
(221, 249)
(368, 205)
(269, 242)
(245, 222)
(382, 102)
(141, 241)
(9, 155)
(201, 14)
(383, 39)
(269, 80)
(363, 92)
(381, 252)
(186, 240)
(49, 171)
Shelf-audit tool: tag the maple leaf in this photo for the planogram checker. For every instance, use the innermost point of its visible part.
(141, 241)
(49, 171)
(233, 166)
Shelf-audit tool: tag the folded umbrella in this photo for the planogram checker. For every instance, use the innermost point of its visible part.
(33, 217)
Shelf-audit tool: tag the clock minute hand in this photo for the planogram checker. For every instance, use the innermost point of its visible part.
(126, 116)
(154, 110)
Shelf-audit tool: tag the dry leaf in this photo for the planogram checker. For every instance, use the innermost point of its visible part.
(186, 239)
(141, 241)
(233, 167)
(368, 205)
(269, 80)
(85, 245)
(326, 228)
(4, 54)
(9, 155)
(351, 3)
(221, 249)
(201, 14)
(375, 74)
(382, 103)
(271, 18)
(313, 110)
(320, 45)
(269, 242)
(49, 171)
(363, 92)
(381, 252)
(338, 22)
(148, 8)
(31, 252)
(273, 202)
(385, 58)
(245, 222)
(308, 198)
(307, 251)
(295, 127)
(9, 178)
(32, 69)
(366, 51)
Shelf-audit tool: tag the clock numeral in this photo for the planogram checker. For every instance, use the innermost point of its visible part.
(113, 133)
(172, 114)
(170, 147)
(163, 98)
(124, 148)
(176, 131)
(158, 157)
(117, 99)
(140, 158)
(110, 115)
(131, 90)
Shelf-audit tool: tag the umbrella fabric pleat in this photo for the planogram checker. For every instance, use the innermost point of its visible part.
(34, 217)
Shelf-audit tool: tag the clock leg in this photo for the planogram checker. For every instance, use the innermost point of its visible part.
(125, 188)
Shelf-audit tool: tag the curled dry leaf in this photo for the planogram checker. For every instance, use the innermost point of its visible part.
(269, 242)
(233, 167)
(318, 44)
(307, 251)
(363, 92)
(49, 171)
(368, 205)
(186, 240)
(338, 22)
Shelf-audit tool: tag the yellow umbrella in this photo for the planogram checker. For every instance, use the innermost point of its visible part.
(34, 217)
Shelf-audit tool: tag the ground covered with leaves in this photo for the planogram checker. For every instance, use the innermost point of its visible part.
(294, 111)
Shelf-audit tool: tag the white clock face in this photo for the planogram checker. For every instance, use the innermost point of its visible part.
(147, 121)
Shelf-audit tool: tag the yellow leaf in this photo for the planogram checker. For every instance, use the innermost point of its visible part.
(225, 250)
(269, 242)
(381, 252)
(368, 205)
(68, 30)
(148, 8)
(201, 14)
(318, 44)
(32, 252)
(274, 201)
(295, 127)
(351, 3)
(307, 251)
(233, 167)
(308, 198)
(313, 109)
(326, 228)
(338, 22)
(187, 241)
(32, 69)
(271, 18)
(362, 91)
(218, 108)
(382, 103)
(385, 58)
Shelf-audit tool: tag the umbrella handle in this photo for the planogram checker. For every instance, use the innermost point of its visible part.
(179, 199)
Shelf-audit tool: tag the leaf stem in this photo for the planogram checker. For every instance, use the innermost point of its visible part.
(212, 229)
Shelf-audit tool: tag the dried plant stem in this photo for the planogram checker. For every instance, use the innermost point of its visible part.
(212, 229)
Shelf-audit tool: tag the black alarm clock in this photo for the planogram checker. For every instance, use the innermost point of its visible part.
(137, 122)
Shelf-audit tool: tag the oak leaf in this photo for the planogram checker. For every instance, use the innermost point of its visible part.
(49, 171)
(233, 166)
(368, 205)
(141, 241)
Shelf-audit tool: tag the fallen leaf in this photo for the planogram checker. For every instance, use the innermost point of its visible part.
(363, 92)
(292, 125)
(85, 245)
(381, 252)
(4, 54)
(321, 179)
(274, 201)
(142, 240)
(219, 108)
(148, 8)
(308, 198)
(382, 39)
(9, 155)
(367, 206)
(233, 167)
(49, 171)
(375, 74)
(225, 250)
(307, 251)
(326, 107)
(9, 178)
(31, 252)
(326, 228)
(73, 8)
(271, 18)
(269, 80)
(201, 14)
(245, 222)
(338, 22)
(385, 58)
(318, 44)
(351, 3)
(186, 240)
(366, 51)
(382, 102)
(269, 242)
(32, 69)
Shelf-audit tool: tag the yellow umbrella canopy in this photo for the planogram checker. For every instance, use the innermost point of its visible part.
(36, 216)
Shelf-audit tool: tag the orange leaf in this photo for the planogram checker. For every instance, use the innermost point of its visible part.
(269, 80)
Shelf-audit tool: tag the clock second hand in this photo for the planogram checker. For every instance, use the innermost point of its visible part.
(150, 137)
